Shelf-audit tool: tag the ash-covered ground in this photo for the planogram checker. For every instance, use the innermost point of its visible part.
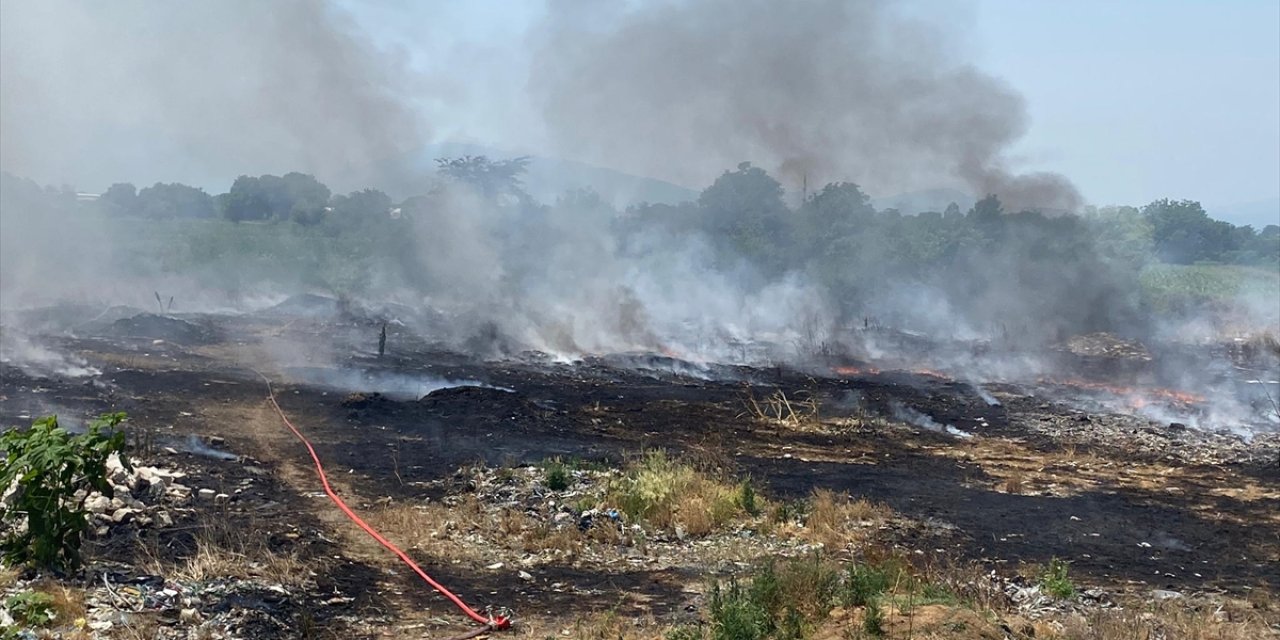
(1002, 474)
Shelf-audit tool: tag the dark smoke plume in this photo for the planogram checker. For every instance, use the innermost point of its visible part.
(827, 90)
(95, 93)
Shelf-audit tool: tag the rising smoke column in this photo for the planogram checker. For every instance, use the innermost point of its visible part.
(826, 90)
(95, 93)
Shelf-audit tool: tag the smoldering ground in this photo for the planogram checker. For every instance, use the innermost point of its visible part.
(680, 90)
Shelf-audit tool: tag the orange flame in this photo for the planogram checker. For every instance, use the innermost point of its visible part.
(1137, 398)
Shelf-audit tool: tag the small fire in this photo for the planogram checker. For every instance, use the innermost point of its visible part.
(855, 371)
(1136, 398)
(932, 373)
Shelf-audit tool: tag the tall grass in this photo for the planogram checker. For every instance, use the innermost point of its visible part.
(667, 493)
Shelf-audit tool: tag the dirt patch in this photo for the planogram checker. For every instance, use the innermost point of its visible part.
(167, 328)
(1129, 504)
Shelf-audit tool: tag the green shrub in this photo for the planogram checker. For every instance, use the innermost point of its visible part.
(556, 475)
(686, 632)
(736, 615)
(652, 486)
(864, 583)
(936, 594)
(873, 619)
(747, 499)
(1055, 580)
(792, 626)
(49, 466)
(31, 608)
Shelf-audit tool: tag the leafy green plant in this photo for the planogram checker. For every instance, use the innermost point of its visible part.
(864, 583)
(737, 615)
(873, 619)
(1056, 581)
(747, 499)
(31, 608)
(556, 475)
(686, 632)
(49, 466)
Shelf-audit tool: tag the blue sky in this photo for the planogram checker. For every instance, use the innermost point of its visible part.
(1132, 100)
(1143, 98)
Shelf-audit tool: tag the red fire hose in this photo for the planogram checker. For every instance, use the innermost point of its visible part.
(497, 623)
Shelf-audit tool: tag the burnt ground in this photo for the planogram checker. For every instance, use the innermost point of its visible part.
(1133, 505)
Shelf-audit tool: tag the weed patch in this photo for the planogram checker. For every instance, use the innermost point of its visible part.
(1056, 582)
(666, 493)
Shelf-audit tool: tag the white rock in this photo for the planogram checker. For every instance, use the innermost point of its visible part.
(122, 515)
(221, 498)
(206, 494)
(97, 503)
(115, 470)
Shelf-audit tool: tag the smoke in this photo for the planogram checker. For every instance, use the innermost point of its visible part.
(96, 93)
(826, 90)
(915, 417)
(37, 360)
(816, 92)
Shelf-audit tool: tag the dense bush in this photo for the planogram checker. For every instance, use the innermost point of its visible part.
(44, 469)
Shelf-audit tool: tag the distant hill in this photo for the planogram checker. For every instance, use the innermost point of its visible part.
(1257, 214)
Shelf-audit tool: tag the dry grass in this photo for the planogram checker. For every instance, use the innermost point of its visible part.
(68, 602)
(221, 549)
(608, 625)
(461, 530)
(145, 628)
(836, 521)
(968, 580)
(667, 494)
(68, 605)
(1166, 620)
(1014, 484)
(779, 410)
(8, 576)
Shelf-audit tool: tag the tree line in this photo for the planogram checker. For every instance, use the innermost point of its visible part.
(744, 212)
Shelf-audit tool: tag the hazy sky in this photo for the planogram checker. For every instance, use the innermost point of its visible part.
(1145, 98)
(1132, 100)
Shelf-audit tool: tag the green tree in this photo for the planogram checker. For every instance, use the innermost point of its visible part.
(490, 178)
(743, 213)
(120, 198)
(246, 201)
(1183, 233)
(1122, 233)
(305, 198)
(174, 200)
(295, 196)
(359, 209)
(839, 210)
